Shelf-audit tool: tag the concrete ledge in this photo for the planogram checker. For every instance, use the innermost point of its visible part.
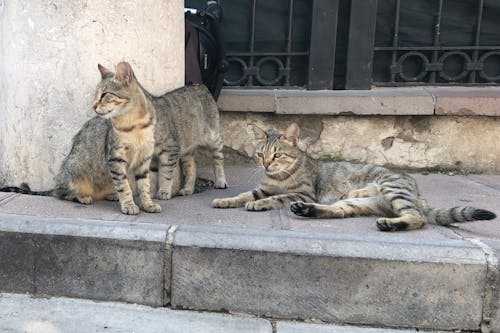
(492, 292)
(99, 260)
(382, 280)
(457, 101)
(429, 284)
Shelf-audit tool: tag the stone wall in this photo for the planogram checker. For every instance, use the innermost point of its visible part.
(48, 71)
(424, 141)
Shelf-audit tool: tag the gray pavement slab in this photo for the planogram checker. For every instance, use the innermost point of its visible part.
(24, 314)
(298, 327)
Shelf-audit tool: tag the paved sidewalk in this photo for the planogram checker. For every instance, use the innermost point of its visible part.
(442, 191)
(24, 314)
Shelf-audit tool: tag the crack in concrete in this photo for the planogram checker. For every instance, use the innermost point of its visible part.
(167, 262)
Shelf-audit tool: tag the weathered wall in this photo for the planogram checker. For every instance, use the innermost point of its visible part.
(48, 70)
(395, 141)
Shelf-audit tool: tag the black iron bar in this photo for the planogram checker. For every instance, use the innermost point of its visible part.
(437, 40)
(395, 40)
(289, 44)
(252, 42)
(472, 77)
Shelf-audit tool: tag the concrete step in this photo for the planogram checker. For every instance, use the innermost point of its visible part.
(270, 264)
(21, 313)
(382, 280)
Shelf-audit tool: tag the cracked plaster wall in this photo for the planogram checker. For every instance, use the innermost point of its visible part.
(49, 51)
(394, 141)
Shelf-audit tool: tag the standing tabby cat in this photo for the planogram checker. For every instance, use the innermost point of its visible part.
(188, 119)
(117, 143)
(314, 188)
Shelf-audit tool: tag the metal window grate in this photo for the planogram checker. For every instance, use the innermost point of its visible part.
(280, 64)
(438, 63)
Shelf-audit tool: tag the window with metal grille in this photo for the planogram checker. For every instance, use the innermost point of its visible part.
(356, 44)
(437, 42)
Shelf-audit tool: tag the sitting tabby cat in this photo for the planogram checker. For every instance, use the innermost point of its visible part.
(117, 143)
(314, 188)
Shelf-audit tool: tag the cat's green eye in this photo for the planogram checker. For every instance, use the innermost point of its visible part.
(278, 155)
(261, 155)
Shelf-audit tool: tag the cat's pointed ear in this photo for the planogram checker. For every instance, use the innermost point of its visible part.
(292, 133)
(259, 133)
(103, 70)
(123, 72)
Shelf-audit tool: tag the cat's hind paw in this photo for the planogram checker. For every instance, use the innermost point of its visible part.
(130, 209)
(186, 191)
(220, 183)
(112, 197)
(385, 224)
(163, 195)
(222, 203)
(84, 200)
(303, 209)
(151, 207)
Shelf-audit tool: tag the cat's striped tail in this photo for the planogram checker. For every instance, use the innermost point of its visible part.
(457, 215)
(25, 189)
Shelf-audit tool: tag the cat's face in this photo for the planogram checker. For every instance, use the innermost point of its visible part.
(113, 93)
(276, 153)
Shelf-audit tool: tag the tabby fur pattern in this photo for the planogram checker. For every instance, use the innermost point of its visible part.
(116, 144)
(328, 189)
(188, 121)
(137, 132)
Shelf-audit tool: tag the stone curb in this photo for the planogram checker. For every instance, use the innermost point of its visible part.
(101, 260)
(378, 281)
(450, 101)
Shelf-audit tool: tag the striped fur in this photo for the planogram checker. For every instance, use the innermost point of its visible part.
(188, 120)
(112, 147)
(319, 189)
(142, 133)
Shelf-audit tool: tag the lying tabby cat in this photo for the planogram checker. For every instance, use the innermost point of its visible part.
(314, 188)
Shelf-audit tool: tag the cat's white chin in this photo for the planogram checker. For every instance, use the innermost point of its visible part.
(105, 115)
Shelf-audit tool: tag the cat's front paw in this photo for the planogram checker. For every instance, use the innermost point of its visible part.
(222, 203)
(151, 207)
(130, 208)
(257, 206)
(302, 209)
(163, 195)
